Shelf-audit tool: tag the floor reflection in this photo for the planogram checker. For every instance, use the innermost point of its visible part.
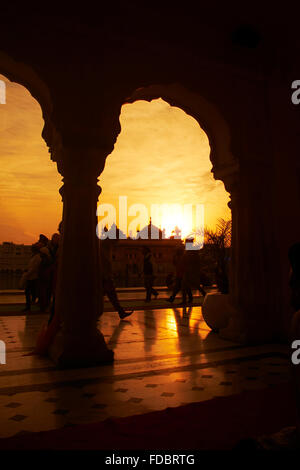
(163, 358)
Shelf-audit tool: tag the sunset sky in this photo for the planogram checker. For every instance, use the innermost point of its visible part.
(160, 157)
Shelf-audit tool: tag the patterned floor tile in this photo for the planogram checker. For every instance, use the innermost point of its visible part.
(163, 359)
(18, 417)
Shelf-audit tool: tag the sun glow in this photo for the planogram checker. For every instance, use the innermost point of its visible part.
(174, 221)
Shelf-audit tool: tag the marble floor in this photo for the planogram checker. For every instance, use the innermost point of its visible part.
(163, 358)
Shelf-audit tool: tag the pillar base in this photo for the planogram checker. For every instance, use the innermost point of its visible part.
(222, 317)
(216, 310)
(80, 350)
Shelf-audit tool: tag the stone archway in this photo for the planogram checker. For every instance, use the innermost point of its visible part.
(250, 308)
(206, 114)
(225, 168)
(78, 342)
(233, 100)
(80, 158)
(24, 75)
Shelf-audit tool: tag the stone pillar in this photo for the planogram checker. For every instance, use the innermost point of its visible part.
(229, 304)
(235, 330)
(254, 280)
(79, 288)
(254, 306)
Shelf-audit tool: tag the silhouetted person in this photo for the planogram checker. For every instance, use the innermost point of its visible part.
(54, 252)
(178, 262)
(50, 329)
(31, 277)
(107, 278)
(170, 281)
(148, 275)
(192, 276)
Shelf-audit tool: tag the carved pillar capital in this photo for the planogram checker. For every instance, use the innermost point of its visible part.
(80, 165)
(80, 189)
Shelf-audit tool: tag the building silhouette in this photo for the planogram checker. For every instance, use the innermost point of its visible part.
(127, 255)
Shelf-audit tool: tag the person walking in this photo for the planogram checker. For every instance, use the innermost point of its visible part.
(179, 269)
(192, 275)
(107, 278)
(148, 275)
(54, 253)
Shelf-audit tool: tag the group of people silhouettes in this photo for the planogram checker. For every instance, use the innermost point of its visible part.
(39, 279)
(189, 275)
(40, 276)
(186, 265)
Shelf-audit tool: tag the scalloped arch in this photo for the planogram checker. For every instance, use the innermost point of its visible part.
(225, 165)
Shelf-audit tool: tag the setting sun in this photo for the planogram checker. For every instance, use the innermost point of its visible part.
(176, 220)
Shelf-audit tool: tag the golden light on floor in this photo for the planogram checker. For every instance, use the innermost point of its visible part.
(172, 324)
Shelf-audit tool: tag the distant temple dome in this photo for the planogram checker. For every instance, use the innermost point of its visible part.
(114, 233)
(151, 232)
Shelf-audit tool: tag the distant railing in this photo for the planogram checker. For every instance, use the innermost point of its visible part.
(10, 279)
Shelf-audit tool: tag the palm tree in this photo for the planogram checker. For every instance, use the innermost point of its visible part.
(218, 242)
